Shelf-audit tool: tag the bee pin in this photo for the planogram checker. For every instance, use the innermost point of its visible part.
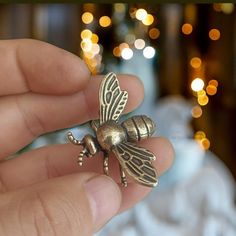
(119, 138)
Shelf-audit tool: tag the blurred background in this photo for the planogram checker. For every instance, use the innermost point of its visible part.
(185, 54)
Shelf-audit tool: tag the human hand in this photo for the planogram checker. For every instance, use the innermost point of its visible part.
(43, 191)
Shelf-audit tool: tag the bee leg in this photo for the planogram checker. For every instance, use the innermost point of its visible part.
(73, 140)
(80, 157)
(105, 163)
(123, 177)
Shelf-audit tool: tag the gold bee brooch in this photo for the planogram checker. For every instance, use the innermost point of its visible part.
(120, 139)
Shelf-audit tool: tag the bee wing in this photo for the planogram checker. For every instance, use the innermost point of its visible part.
(137, 163)
(112, 99)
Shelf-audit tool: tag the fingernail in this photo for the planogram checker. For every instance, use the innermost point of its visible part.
(104, 197)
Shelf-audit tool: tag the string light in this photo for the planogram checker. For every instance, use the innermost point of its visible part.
(148, 20)
(94, 38)
(141, 14)
(87, 17)
(105, 21)
(154, 33)
(214, 34)
(127, 53)
(187, 28)
(196, 112)
(149, 52)
(139, 43)
(197, 84)
(196, 62)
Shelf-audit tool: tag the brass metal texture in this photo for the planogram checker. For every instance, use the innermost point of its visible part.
(118, 138)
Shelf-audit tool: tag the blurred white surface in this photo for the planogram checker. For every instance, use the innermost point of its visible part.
(202, 205)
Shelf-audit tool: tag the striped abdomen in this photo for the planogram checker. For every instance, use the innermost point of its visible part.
(138, 128)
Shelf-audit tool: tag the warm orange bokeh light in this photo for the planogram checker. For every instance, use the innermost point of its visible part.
(87, 17)
(105, 21)
(86, 34)
(195, 62)
(154, 33)
(196, 112)
(116, 52)
(213, 82)
(199, 135)
(187, 28)
(203, 100)
(205, 143)
(148, 20)
(211, 90)
(214, 34)
(94, 38)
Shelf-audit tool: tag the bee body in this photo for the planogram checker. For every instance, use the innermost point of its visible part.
(138, 128)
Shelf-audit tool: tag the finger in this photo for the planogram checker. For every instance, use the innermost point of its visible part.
(30, 115)
(78, 204)
(31, 65)
(59, 160)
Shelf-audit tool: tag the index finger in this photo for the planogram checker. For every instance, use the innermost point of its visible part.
(31, 65)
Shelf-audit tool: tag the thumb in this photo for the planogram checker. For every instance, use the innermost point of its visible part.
(78, 204)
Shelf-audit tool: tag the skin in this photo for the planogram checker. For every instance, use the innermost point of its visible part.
(43, 191)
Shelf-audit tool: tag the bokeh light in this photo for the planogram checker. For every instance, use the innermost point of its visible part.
(197, 84)
(154, 33)
(199, 135)
(196, 62)
(201, 93)
(105, 21)
(148, 20)
(227, 8)
(127, 53)
(116, 52)
(205, 143)
(87, 17)
(94, 38)
(139, 43)
(149, 52)
(86, 34)
(86, 44)
(196, 112)
(211, 89)
(119, 7)
(141, 14)
(187, 28)
(123, 46)
(203, 100)
(214, 34)
(213, 82)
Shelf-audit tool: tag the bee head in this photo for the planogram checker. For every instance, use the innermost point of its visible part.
(90, 145)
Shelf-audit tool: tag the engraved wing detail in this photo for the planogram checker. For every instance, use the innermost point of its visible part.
(112, 99)
(137, 163)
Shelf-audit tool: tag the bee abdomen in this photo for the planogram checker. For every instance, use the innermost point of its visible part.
(138, 128)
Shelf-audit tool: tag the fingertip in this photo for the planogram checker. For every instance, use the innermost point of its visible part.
(50, 70)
